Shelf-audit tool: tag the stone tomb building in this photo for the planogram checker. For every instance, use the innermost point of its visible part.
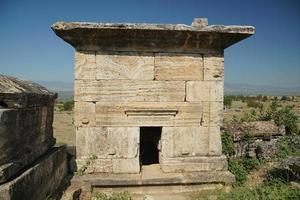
(150, 94)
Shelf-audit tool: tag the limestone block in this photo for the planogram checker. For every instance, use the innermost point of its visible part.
(193, 164)
(215, 145)
(129, 90)
(126, 114)
(85, 65)
(124, 141)
(40, 180)
(204, 91)
(91, 141)
(25, 134)
(178, 66)
(184, 141)
(212, 113)
(107, 142)
(84, 113)
(94, 166)
(126, 65)
(131, 165)
(213, 67)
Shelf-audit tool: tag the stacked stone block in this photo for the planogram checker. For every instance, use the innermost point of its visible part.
(26, 117)
(116, 93)
(30, 167)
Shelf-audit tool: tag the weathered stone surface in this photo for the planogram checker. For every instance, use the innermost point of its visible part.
(159, 178)
(215, 145)
(204, 91)
(263, 134)
(25, 126)
(129, 90)
(126, 65)
(212, 113)
(17, 93)
(194, 164)
(200, 22)
(85, 65)
(292, 164)
(39, 181)
(263, 129)
(213, 67)
(94, 166)
(85, 113)
(148, 114)
(178, 66)
(131, 165)
(112, 142)
(149, 37)
(184, 141)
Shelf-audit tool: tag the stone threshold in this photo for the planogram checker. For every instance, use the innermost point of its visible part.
(153, 176)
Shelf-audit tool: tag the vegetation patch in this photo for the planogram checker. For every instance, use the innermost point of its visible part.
(111, 196)
(66, 106)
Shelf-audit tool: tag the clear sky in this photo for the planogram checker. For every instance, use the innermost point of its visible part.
(30, 50)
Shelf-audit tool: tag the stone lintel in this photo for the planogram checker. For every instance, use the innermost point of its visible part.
(149, 37)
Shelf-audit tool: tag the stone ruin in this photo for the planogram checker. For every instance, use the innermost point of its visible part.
(255, 139)
(30, 167)
(150, 94)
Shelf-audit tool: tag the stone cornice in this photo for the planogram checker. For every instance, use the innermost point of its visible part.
(150, 37)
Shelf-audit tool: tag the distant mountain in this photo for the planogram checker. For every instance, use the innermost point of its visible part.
(247, 89)
(65, 89)
(57, 85)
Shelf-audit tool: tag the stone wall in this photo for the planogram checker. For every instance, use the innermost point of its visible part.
(26, 117)
(116, 93)
(30, 167)
(258, 138)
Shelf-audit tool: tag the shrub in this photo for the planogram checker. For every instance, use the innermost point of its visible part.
(250, 163)
(284, 98)
(235, 167)
(254, 104)
(113, 196)
(250, 117)
(227, 144)
(265, 99)
(279, 176)
(288, 146)
(241, 167)
(287, 118)
(67, 106)
(227, 101)
(264, 192)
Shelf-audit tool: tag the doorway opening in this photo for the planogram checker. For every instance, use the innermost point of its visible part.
(149, 141)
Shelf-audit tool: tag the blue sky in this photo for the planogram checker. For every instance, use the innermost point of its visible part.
(30, 50)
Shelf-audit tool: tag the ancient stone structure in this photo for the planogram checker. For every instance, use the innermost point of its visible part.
(28, 160)
(149, 94)
(258, 138)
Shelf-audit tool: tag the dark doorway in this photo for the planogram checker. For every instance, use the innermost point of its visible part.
(149, 139)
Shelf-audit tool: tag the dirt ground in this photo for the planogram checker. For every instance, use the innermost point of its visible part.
(63, 128)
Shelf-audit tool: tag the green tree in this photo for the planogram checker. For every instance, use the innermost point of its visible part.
(67, 106)
(227, 101)
(287, 118)
(227, 144)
